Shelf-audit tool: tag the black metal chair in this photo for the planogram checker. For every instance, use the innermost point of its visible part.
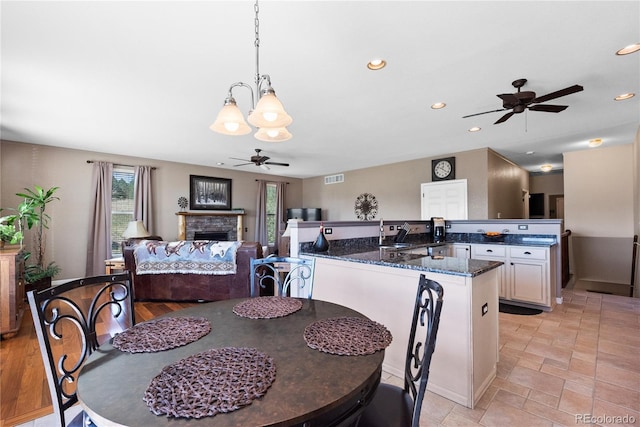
(285, 272)
(67, 320)
(393, 406)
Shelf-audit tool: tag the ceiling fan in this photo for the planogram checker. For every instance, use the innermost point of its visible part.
(259, 160)
(525, 100)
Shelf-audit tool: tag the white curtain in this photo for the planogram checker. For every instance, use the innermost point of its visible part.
(99, 241)
(143, 197)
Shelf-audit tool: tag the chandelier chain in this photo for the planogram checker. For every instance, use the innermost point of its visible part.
(256, 9)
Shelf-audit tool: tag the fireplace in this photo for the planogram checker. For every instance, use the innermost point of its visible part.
(213, 225)
(211, 235)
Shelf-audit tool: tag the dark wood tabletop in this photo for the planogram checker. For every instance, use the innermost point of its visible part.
(310, 386)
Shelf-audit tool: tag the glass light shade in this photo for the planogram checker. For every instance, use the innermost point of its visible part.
(135, 229)
(269, 113)
(546, 167)
(230, 121)
(273, 134)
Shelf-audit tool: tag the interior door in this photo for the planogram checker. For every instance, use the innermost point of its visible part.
(447, 199)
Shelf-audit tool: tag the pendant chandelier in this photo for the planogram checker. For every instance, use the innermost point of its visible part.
(268, 115)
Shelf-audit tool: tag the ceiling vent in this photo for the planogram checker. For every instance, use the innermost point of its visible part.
(334, 179)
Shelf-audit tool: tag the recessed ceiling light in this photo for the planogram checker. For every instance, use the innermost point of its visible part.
(546, 167)
(530, 152)
(376, 64)
(219, 163)
(474, 129)
(624, 96)
(596, 142)
(629, 49)
(438, 105)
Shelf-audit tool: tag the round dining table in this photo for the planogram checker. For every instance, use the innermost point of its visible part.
(311, 387)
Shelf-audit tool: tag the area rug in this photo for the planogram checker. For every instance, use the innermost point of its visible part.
(515, 309)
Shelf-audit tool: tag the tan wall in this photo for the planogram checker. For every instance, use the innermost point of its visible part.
(551, 184)
(599, 192)
(506, 183)
(396, 186)
(24, 165)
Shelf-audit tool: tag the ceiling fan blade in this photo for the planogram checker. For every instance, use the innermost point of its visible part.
(504, 118)
(557, 94)
(243, 164)
(549, 108)
(276, 163)
(486, 112)
(235, 158)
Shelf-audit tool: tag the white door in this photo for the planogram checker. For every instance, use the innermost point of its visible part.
(447, 199)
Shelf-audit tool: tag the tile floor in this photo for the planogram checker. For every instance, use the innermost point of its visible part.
(577, 365)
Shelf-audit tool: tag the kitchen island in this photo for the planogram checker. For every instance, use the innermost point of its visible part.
(382, 283)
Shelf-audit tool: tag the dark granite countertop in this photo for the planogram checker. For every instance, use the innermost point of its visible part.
(399, 259)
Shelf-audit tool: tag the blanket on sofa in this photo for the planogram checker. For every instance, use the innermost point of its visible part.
(186, 257)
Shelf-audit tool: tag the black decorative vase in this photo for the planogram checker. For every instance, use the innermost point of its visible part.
(321, 244)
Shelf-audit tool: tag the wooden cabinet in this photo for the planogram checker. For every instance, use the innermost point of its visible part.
(12, 296)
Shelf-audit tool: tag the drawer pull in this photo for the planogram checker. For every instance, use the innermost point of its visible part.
(527, 253)
(489, 250)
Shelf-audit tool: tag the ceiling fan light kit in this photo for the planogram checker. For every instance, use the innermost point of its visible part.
(268, 114)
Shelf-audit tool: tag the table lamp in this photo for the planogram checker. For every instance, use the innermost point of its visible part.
(135, 229)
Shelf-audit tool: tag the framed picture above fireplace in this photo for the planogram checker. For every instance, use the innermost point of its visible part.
(209, 193)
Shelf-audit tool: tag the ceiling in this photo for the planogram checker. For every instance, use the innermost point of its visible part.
(148, 78)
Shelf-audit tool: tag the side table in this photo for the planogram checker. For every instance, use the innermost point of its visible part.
(113, 264)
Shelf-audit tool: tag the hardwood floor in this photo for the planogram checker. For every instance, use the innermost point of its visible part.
(24, 392)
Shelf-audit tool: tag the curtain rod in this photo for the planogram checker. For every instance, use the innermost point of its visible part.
(118, 164)
(270, 181)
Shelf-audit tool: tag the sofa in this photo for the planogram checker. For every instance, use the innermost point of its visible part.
(194, 287)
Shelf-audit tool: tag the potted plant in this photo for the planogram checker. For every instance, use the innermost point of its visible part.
(8, 232)
(30, 213)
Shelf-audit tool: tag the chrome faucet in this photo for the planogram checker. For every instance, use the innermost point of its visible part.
(381, 237)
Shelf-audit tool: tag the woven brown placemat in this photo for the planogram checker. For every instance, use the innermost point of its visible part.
(212, 382)
(162, 334)
(267, 307)
(347, 336)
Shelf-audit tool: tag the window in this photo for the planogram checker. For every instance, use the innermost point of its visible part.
(121, 205)
(272, 198)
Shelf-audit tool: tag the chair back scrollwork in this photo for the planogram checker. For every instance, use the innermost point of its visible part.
(68, 319)
(289, 276)
(422, 341)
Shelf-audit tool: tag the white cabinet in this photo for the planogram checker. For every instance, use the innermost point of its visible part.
(529, 274)
(493, 253)
(528, 271)
(447, 199)
(460, 250)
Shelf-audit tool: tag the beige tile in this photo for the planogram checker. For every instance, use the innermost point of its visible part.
(613, 415)
(556, 416)
(618, 395)
(500, 414)
(610, 374)
(509, 398)
(584, 367)
(537, 380)
(549, 351)
(544, 398)
(575, 403)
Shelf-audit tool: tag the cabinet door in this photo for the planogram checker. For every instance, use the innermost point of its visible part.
(493, 253)
(447, 199)
(460, 251)
(529, 281)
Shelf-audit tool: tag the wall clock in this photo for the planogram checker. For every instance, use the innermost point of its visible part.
(443, 169)
(366, 206)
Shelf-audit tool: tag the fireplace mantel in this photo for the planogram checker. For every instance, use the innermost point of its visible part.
(184, 216)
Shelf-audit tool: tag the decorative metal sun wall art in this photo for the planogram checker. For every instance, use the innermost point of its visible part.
(366, 206)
